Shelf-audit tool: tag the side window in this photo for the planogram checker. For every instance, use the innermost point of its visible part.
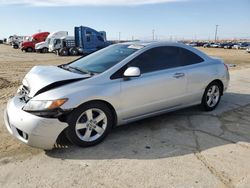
(100, 38)
(88, 34)
(189, 58)
(157, 59)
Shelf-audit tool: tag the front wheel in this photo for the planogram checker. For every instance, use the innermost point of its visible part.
(212, 96)
(89, 124)
(45, 50)
(29, 49)
(63, 52)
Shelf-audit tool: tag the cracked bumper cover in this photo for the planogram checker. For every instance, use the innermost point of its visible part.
(32, 130)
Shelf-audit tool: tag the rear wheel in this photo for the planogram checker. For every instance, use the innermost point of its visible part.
(89, 124)
(212, 96)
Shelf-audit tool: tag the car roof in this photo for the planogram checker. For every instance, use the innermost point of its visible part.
(167, 43)
(149, 43)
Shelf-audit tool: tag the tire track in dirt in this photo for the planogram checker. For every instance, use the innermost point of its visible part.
(4, 83)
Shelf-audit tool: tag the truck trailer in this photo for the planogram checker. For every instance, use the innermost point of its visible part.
(85, 41)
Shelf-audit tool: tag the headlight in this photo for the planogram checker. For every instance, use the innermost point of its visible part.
(43, 105)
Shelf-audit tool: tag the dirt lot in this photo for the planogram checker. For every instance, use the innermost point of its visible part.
(187, 148)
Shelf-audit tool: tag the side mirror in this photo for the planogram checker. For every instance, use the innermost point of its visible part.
(132, 72)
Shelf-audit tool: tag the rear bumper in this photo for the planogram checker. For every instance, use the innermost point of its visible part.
(30, 129)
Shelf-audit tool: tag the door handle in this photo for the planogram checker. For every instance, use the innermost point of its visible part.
(178, 75)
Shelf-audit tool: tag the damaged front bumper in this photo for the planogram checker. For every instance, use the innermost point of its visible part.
(32, 130)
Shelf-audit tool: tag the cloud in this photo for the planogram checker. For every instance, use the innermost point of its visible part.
(83, 2)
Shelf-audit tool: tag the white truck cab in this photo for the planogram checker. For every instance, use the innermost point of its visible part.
(59, 43)
(43, 47)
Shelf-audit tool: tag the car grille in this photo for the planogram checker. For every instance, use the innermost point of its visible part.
(23, 93)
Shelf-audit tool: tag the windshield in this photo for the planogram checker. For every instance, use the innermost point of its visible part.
(102, 60)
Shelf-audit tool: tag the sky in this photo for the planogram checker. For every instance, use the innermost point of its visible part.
(133, 19)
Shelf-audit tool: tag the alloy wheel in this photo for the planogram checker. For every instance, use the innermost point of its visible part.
(213, 96)
(91, 125)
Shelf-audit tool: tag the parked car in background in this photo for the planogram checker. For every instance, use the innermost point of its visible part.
(207, 45)
(193, 44)
(119, 84)
(244, 45)
(248, 49)
(229, 45)
(215, 45)
(15, 39)
(29, 45)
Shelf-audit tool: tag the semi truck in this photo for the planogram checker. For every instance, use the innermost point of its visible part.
(29, 46)
(85, 41)
(43, 47)
(15, 40)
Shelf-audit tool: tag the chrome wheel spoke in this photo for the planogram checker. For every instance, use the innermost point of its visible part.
(99, 130)
(87, 134)
(213, 89)
(81, 126)
(100, 117)
(209, 94)
(209, 101)
(89, 114)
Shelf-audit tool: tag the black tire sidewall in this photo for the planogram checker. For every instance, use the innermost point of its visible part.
(45, 50)
(29, 49)
(74, 115)
(64, 52)
(204, 98)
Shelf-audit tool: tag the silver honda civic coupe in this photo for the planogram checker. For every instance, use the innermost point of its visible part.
(119, 84)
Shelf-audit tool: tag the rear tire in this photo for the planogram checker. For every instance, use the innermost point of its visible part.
(212, 95)
(89, 124)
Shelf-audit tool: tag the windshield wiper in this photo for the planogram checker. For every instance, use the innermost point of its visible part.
(82, 71)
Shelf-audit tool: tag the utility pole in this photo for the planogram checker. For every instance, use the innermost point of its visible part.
(216, 30)
(153, 34)
(119, 36)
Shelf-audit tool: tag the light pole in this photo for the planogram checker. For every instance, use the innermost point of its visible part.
(153, 34)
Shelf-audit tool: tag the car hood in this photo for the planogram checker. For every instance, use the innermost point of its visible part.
(43, 78)
(40, 44)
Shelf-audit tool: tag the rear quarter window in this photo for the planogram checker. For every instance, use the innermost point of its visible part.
(189, 58)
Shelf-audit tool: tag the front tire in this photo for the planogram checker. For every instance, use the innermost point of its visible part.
(29, 49)
(73, 51)
(212, 95)
(89, 124)
(63, 52)
(45, 50)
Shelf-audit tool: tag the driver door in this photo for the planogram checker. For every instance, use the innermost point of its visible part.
(161, 86)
